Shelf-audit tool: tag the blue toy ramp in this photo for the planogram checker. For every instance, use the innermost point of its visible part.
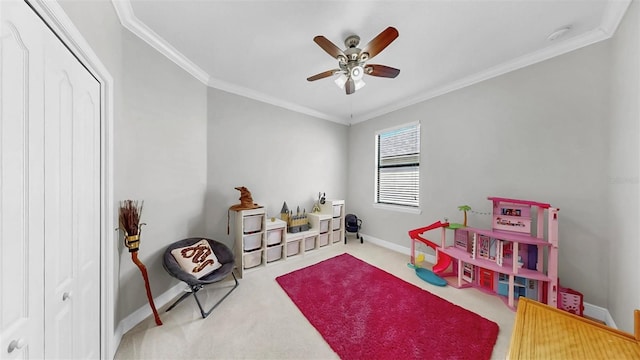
(428, 276)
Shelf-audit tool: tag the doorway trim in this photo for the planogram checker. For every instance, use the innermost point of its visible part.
(55, 17)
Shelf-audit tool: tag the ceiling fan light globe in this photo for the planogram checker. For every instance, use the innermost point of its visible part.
(359, 84)
(341, 80)
(357, 72)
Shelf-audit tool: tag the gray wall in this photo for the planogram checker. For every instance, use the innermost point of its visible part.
(622, 239)
(160, 159)
(279, 155)
(540, 133)
(159, 146)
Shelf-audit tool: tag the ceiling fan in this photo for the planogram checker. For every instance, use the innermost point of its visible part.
(352, 62)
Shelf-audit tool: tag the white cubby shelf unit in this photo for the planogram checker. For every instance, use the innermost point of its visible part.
(261, 241)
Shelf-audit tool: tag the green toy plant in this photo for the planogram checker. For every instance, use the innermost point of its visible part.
(464, 208)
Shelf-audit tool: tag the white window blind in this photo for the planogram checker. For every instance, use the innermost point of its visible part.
(398, 162)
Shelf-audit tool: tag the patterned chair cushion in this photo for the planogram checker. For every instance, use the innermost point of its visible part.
(197, 259)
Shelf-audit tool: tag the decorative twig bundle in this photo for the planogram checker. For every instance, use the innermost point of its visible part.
(130, 212)
(129, 219)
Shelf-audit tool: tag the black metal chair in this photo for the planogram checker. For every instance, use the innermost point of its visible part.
(224, 255)
(352, 225)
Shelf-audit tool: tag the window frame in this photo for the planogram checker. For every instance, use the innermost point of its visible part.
(395, 206)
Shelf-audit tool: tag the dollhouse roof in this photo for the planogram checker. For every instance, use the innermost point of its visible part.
(523, 202)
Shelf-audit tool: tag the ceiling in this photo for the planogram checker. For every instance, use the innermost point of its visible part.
(264, 49)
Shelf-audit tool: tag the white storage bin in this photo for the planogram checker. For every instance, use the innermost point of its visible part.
(336, 224)
(309, 243)
(274, 253)
(274, 237)
(252, 223)
(336, 236)
(252, 259)
(337, 210)
(252, 242)
(293, 248)
(323, 239)
(324, 226)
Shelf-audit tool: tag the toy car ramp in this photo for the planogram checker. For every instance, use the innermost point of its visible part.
(428, 276)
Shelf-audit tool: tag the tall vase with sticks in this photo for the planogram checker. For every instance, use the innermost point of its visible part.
(130, 225)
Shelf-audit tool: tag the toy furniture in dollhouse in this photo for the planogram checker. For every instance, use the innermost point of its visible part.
(486, 278)
(504, 259)
(570, 300)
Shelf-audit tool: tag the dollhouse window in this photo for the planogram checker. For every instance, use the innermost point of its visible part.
(486, 247)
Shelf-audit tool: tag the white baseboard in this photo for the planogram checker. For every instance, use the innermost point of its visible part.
(397, 248)
(600, 314)
(590, 310)
(143, 312)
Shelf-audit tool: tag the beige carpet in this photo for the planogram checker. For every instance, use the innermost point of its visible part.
(259, 321)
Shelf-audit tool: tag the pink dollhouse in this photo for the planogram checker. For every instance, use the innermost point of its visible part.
(507, 259)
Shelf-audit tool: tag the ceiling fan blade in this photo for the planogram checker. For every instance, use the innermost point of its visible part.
(350, 86)
(322, 75)
(382, 71)
(328, 46)
(375, 46)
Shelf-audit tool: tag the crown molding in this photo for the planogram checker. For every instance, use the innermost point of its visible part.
(610, 21)
(613, 16)
(259, 96)
(129, 20)
(504, 68)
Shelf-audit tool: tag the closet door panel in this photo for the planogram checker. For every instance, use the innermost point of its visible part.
(87, 236)
(59, 227)
(72, 239)
(21, 184)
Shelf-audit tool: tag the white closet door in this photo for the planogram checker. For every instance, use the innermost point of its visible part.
(21, 183)
(72, 184)
(49, 193)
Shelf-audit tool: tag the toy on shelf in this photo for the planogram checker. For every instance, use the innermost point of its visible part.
(297, 222)
(246, 200)
(316, 206)
(506, 260)
(246, 203)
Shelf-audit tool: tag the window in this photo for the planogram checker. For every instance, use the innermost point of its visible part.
(398, 166)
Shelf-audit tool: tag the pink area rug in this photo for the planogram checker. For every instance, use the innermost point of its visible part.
(364, 312)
